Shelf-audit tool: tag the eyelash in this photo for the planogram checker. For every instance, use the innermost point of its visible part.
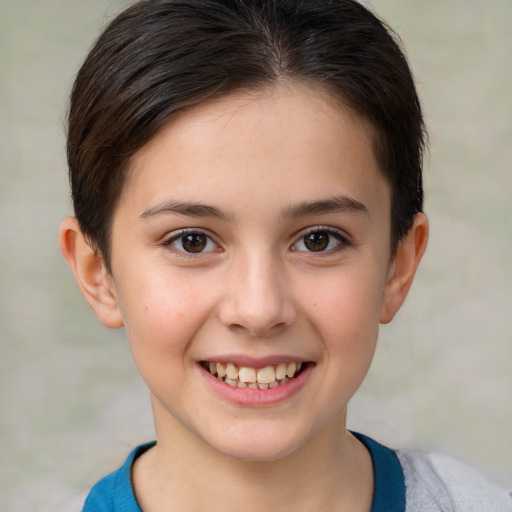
(180, 235)
(340, 237)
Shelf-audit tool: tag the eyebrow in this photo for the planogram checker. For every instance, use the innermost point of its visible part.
(187, 208)
(339, 204)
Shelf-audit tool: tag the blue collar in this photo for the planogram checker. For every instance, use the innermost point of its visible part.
(115, 491)
(389, 483)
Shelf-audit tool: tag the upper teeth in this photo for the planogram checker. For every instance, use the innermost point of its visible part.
(265, 377)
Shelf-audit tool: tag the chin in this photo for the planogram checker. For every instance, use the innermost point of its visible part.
(258, 452)
(262, 446)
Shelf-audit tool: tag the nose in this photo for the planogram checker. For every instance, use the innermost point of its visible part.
(258, 300)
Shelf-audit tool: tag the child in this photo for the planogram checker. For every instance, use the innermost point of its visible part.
(246, 178)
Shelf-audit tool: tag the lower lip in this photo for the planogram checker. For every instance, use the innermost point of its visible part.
(249, 397)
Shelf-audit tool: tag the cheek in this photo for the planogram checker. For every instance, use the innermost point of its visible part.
(162, 316)
(345, 309)
(162, 312)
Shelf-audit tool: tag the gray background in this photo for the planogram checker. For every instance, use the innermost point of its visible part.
(71, 403)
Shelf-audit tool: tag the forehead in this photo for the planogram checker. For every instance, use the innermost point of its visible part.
(286, 142)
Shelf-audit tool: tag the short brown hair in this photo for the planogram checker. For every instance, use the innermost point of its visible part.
(159, 57)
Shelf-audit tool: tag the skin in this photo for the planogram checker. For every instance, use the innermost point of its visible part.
(257, 161)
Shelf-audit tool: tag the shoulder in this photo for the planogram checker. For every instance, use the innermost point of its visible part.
(101, 496)
(438, 483)
(114, 492)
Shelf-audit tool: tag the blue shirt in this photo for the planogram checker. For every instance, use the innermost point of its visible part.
(114, 493)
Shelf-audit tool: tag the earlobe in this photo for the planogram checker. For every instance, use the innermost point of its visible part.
(407, 258)
(90, 273)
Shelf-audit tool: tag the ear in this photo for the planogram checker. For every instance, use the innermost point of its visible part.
(94, 281)
(401, 274)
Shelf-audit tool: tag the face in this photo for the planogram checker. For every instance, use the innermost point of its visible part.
(252, 238)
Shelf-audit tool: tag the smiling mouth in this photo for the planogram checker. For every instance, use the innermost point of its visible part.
(268, 377)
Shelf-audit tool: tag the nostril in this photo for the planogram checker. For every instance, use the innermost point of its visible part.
(237, 328)
(257, 306)
(257, 331)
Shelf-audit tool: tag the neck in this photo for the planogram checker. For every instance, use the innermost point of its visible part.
(333, 471)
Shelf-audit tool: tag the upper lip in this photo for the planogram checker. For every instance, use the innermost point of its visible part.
(254, 362)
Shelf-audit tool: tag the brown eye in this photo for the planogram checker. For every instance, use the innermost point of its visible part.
(192, 242)
(317, 241)
(195, 242)
(321, 240)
